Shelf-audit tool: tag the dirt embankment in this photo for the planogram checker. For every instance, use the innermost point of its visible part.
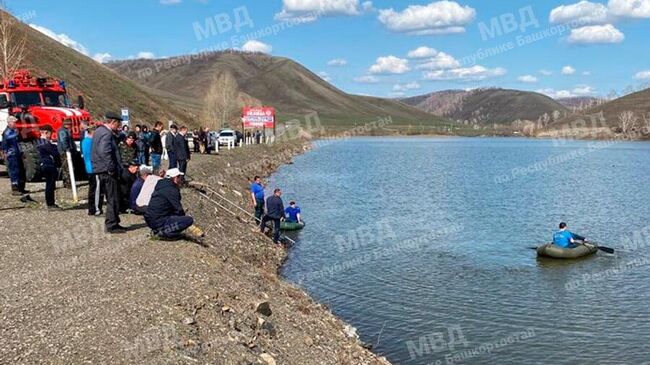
(71, 294)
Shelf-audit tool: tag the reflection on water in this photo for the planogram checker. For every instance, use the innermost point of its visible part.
(415, 238)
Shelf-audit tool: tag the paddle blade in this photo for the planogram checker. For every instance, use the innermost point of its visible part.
(606, 249)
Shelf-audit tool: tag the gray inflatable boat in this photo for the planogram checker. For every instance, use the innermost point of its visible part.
(557, 252)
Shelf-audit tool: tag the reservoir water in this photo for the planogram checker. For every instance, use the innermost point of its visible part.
(423, 245)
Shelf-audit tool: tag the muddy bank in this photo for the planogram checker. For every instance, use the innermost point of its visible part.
(71, 294)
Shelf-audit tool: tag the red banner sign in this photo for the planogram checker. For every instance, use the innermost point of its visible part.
(258, 117)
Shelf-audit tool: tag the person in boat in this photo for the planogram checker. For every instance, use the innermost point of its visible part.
(565, 239)
(292, 213)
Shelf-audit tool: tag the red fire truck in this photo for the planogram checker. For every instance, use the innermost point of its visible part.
(38, 101)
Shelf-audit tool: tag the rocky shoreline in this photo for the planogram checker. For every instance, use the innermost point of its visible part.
(72, 294)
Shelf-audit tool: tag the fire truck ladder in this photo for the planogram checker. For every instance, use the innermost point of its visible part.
(218, 199)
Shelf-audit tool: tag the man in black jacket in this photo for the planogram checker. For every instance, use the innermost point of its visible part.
(106, 165)
(50, 159)
(165, 214)
(170, 146)
(274, 212)
(182, 148)
(156, 145)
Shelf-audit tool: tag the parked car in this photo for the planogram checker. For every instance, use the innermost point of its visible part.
(227, 136)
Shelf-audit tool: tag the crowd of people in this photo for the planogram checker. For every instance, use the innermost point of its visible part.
(124, 170)
(126, 176)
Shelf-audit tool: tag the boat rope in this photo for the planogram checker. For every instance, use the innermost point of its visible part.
(212, 195)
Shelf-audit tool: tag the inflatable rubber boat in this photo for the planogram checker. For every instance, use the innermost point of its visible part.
(557, 252)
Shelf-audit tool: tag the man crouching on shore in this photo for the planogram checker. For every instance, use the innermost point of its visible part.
(165, 214)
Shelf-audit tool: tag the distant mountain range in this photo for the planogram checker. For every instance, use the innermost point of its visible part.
(638, 103)
(280, 82)
(483, 106)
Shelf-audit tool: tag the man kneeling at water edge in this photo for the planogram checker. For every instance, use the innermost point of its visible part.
(165, 214)
(566, 239)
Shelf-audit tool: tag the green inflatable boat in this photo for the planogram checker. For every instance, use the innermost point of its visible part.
(291, 226)
(557, 252)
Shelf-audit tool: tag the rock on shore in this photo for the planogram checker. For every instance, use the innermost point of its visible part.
(69, 293)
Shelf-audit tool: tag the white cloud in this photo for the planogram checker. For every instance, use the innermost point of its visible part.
(256, 46)
(529, 79)
(170, 2)
(642, 75)
(474, 73)
(368, 79)
(586, 73)
(409, 86)
(325, 76)
(568, 70)
(440, 61)
(546, 72)
(145, 55)
(422, 52)
(559, 94)
(102, 57)
(62, 38)
(630, 8)
(390, 65)
(441, 17)
(596, 34)
(337, 62)
(310, 10)
(584, 13)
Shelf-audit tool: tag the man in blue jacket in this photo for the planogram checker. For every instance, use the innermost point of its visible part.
(13, 157)
(274, 212)
(95, 194)
(257, 197)
(107, 165)
(50, 158)
(566, 239)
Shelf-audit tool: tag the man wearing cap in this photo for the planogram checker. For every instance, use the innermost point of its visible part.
(165, 214)
(106, 164)
(65, 144)
(50, 159)
(95, 194)
(12, 153)
(127, 179)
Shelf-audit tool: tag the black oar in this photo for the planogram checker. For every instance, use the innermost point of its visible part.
(602, 248)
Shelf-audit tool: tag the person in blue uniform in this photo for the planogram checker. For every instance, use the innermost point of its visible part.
(13, 157)
(292, 213)
(565, 239)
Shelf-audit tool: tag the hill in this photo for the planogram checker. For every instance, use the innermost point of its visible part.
(638, 103)
(580, 102)
(486, 106)
(291, 88)
(102, 88)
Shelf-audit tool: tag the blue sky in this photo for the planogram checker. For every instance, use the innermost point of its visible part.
(603, 45)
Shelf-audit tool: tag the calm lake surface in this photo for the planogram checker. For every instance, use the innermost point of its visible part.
(411, 239)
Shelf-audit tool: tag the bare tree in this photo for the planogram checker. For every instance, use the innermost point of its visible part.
(222, 102)
(646, 123)
(12, 44)
(627, 121)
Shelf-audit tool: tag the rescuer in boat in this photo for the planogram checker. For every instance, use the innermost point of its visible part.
(565, 239)
(292, 213)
